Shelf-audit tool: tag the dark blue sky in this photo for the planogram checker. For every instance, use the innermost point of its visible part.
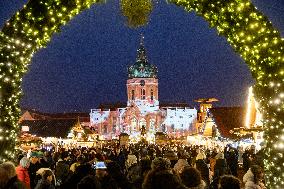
(86, 63)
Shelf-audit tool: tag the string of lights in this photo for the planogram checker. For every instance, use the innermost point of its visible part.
(253, 36)
(23, 34)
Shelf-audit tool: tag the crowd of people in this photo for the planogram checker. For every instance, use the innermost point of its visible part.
(137, 166)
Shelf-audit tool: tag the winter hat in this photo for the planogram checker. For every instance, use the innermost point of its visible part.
(34, 154)
(161, 164)
(25, 162)
(179, 166)
(40, 154)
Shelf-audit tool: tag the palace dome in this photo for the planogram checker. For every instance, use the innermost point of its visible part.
(142, 68)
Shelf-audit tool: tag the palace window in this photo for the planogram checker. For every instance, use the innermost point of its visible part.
(152, 125)
(152, 94)
(163, 128)
(132, 95)
(143, 94)
(133, 124)
(105, 129)
(173, 127)
(114, 128)
(142, 123)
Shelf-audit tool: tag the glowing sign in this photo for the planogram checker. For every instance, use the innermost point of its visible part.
(25, 128)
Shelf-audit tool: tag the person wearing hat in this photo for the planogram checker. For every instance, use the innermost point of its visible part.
(42, 159)
(221, 168)
(46, 180)
(107, 182)
(62, 168)
(34, 166)
(22, 171)
(201, 165)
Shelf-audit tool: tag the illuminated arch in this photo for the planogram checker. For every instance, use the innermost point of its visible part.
(247, 30)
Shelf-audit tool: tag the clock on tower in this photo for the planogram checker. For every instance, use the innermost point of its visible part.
(142, 82)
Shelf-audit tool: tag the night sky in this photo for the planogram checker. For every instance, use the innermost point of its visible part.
(86, 63)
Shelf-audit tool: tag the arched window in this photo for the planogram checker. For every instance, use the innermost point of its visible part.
(133, 124)
(142, 123)
(152, 94)
(114, 128)
(143, 94)
(173, 127)
(163, 128)
(132, 95)
(105, 129)
(152, 125)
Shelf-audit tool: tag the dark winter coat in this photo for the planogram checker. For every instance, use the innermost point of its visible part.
(204, 170)
(33, 168)
(61, 171)
(44, 184)
(232, 160)
(80, 172)
(164, 179)
(107, 182)
(221, 168)
(137, 173)
(115, 172)
(134, 173)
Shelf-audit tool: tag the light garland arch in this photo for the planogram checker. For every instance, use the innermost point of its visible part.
(246, 29)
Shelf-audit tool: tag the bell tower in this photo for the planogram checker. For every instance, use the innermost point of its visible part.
(142, 82)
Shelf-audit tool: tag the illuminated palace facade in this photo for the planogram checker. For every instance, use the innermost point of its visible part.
(143, 111)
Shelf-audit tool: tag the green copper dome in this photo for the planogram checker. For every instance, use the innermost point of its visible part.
(142, 68)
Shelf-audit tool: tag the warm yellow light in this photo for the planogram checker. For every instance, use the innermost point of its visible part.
(248, 113)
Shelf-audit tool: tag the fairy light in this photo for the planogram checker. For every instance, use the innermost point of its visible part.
(248, 113)
(252, 35)
(21, 39)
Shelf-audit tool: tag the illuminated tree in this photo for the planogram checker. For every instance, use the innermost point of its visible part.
(252, 36)
(26, 32)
